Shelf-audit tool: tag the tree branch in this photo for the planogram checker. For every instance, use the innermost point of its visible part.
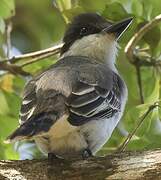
(130, 47)
(29, 58)
(126, 165)
(133, 59)
(36, 56)
(154, 63)
(12, 68)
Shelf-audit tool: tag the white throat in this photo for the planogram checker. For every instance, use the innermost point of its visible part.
(101, 47)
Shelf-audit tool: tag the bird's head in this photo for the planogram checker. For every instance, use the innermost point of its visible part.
(91, 35)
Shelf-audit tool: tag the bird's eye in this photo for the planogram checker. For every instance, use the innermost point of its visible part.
(83, 31)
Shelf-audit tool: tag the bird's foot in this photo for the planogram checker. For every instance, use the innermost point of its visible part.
(54, 158)
(86, 153)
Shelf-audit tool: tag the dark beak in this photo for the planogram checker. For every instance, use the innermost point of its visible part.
(118, 28)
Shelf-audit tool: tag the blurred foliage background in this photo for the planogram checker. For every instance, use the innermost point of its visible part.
(27, 26)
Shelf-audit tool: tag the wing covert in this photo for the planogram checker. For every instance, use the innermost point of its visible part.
(94, 101)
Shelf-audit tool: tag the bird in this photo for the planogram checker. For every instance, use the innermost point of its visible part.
(72, 108)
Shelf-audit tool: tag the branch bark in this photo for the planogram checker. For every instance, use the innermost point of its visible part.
(11, 65)
(130, 47)
(37, 55)
(126, 165)
(12, 68)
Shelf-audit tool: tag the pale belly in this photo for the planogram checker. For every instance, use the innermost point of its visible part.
(64, 139)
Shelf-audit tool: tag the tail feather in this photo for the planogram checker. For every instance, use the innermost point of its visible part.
(34, 126)
(15, 136)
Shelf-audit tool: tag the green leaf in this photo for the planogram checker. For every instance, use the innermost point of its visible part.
(13, 102)
(137, 8)
(2, 26)
(133, 116)
(4, 108)
(8, 124)
(152, 37)
(151, 85)
(147, 10)
(2, 151)
(128, 73)
(10, 152)
(115, 11)
(10, 103)
(93, 6)
(8, 121)
(156, 8)
(138, 144)
(18, 84)
(154, 141)
(155, 128)
(39, 66)
(70, 13)
(7, 8)
(151, 8)
(154, 96)
(64, 4)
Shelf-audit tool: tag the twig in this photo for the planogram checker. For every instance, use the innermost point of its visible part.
(29, 58)
(129, 49)
(130, 135)
(149, 63)
(36, 56)
(138, 73)
(33, 57)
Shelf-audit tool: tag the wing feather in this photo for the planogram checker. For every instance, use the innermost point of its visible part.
(82, 94)
(99, 103)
